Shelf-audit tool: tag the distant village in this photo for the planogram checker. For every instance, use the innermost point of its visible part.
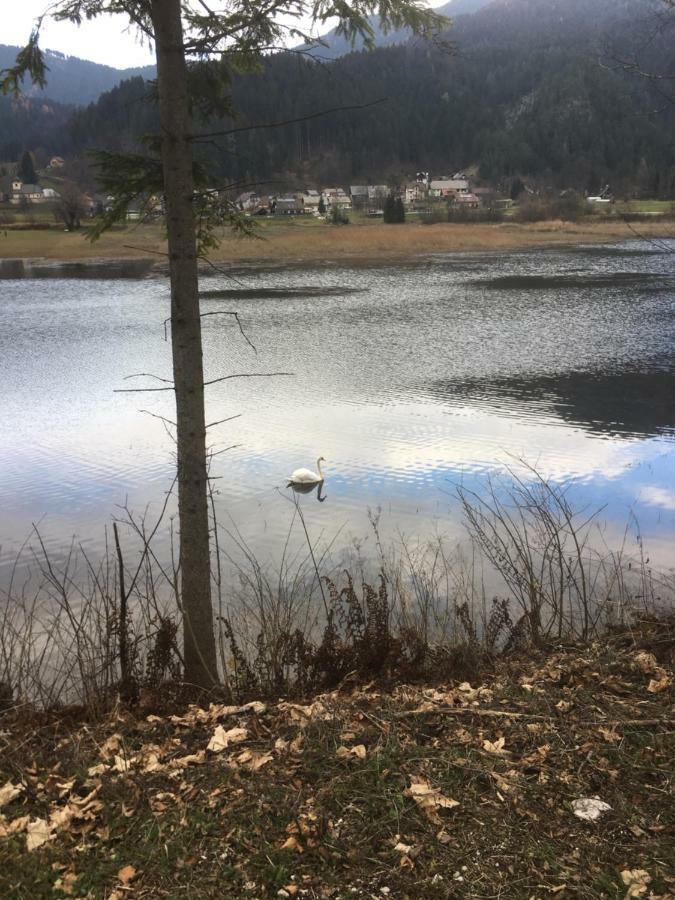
(417, 193)
(421, 194)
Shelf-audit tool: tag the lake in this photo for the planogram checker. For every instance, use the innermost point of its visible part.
(409, 380)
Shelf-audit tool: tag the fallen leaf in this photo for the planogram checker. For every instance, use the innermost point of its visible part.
(121, 764)
(645, 662)
(292, 843)
(359, 752)
(56, 786)
(152, 763)
(428, 798)
(255, 706)
(496, 747)
(13, 827)
(192, 759)
(8, 792)
(222, 739)
(403, 848)
(253, 759)
(590, 808)
(66, 884)
(637, 881)
(463, 736)
(113, 743)
(38, 832)
(656, 685)
(126, 874)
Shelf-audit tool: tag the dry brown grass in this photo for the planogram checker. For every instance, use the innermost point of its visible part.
(283, 242)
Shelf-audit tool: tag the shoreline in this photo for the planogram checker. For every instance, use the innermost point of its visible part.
(133, 253)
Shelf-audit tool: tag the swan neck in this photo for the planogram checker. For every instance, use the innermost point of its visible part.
(318, 468)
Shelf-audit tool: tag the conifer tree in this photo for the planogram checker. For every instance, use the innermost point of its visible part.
(26, 169)
(198, 47)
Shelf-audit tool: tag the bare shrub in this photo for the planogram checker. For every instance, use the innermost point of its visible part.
(94, 633)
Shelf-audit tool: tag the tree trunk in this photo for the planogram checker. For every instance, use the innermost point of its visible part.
(186, 340)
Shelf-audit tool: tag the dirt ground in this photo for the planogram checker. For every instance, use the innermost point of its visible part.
(551, 776)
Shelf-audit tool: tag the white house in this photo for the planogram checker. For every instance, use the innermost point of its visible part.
(448, 187)
(311, 200)
(32, 193)
(467, 200)
(415, 191)
(336, 197)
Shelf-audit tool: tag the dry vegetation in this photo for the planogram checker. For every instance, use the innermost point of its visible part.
(452, 789)
(288, 242)
(428, 743)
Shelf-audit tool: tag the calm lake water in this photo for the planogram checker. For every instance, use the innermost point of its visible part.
(409, 381)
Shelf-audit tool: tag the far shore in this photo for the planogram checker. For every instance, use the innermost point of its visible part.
(297, 242)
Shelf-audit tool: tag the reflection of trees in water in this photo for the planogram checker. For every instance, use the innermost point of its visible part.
(623, 402)
(641, 281)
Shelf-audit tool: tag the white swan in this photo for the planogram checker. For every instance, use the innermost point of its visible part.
(306, 476)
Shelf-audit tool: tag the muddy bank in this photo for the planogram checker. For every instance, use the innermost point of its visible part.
(82, 268)
(283, 246)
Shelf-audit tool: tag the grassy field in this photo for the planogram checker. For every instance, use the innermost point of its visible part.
(415, 791)
(661, 207)
(314, 240)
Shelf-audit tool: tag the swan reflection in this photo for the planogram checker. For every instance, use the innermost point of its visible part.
(308, 488)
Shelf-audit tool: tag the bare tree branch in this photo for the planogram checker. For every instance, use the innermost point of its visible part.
(245, 375)
(223, 312)
(148, 375)
(316, 115)
(206, 383)
(220, 421)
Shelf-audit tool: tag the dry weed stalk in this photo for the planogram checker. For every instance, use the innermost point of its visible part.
(89, 632)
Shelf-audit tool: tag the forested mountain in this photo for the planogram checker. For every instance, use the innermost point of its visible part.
(535, 88)
(72, 80)
(33, 124)
(334, 45)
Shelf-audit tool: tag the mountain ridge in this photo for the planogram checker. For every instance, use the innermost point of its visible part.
(333, 45)
(72, 80)
(532, 89)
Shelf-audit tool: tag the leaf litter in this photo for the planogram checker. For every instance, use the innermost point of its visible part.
(352, 792)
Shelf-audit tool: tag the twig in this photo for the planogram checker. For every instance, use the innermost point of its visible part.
(164, 418)
(316, 115)
(470, 710)
(223, 312)
(220, 421)
(218, 313)
(244, 375)
(219, 269)
(224, 450)
(148, 375)
(145, 250)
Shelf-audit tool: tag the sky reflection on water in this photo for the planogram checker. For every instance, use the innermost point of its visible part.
(409, 381)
